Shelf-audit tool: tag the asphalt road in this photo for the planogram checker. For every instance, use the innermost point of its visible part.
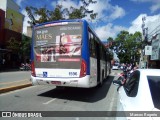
(14, 78)
(49, 98)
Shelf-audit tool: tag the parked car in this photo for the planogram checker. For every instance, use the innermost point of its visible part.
(115, 67)
(121, 67)
(140, 92)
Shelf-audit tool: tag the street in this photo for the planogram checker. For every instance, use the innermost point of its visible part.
(14, 78)
(49, 98)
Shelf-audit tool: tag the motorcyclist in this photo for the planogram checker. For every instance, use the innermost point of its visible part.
(125, 71)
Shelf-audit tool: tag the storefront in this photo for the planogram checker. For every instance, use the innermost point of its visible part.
(155, 57)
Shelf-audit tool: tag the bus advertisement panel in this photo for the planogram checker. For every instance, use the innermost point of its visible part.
(68, 53)
(58, 47)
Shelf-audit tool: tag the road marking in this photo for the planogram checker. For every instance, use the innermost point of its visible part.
(49, 101)
(12, 82)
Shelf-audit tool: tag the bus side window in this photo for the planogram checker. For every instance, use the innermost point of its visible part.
(95, 47)
(92, 45)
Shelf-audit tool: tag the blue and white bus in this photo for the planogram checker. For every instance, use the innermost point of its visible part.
(68, 53)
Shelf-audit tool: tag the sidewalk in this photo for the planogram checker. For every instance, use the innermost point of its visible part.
(10, 86)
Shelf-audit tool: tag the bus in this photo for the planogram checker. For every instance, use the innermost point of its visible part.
(68, 53)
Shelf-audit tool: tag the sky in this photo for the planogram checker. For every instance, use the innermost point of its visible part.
(113, 15)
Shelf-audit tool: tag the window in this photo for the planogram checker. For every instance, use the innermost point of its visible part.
(131, 85)
(92, 44)
(154, 85)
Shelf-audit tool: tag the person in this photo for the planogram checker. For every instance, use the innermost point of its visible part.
(125, 70)
(133, 69)
(44, 56)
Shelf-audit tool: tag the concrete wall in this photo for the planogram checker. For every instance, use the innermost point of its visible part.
(12, 5)
(2, 20)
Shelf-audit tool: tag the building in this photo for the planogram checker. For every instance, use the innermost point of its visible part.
(29, 31)
(11, 27)
(2, 23)
(154, 41)
(154, 60)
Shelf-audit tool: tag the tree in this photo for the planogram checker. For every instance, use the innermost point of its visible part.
(13, 45)
(110, 42)
(110, 46)
(127, 46)
(25, 47)
(82, 11)
(59, 13)
(44, 14)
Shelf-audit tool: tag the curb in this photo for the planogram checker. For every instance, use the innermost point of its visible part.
(7, 89)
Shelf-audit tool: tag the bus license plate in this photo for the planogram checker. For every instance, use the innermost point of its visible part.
(56, 82)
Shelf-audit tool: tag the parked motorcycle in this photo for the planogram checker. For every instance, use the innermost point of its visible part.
(24, 67)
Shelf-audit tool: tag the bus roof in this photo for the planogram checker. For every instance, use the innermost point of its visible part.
(57, 21)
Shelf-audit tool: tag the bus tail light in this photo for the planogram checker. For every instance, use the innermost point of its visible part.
(83, 68)
(33, 73)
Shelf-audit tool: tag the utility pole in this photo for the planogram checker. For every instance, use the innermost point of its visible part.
(144, 37)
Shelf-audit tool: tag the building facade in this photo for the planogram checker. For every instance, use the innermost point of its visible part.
(154, 40)
(11, 27)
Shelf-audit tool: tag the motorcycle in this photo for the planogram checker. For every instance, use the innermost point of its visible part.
(122, 77)
(24, 67)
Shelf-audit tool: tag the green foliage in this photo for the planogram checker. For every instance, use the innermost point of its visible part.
(43, 14)
(22, 48)
(76, 13)
(59, 13)
(25, 47)
(127, 46)
(110, 41)
(56, 14)
(82, 11)
(13, 45)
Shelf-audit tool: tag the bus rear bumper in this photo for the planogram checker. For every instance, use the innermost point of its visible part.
(83, 82)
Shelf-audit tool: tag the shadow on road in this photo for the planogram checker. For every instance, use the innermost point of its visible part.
(81, 94)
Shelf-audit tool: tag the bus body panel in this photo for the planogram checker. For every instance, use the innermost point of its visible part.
(103, 69)
(85, 46)
(57, 73)
(93, 71)
(68, 82)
